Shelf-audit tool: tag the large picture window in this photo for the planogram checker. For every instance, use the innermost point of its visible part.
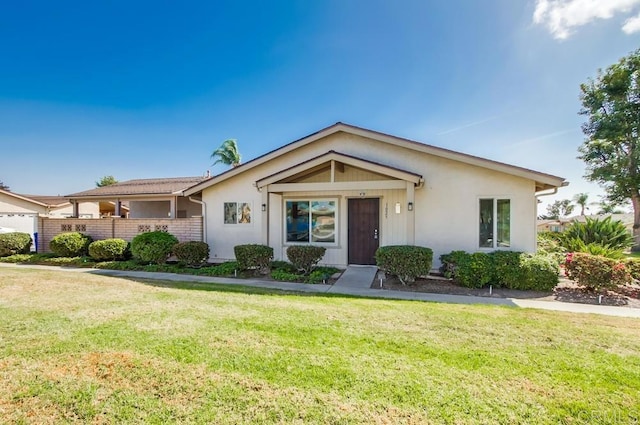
(237, 213)
(311, 221)
(495, 223)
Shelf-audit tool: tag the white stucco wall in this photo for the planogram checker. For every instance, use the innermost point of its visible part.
(446, 209)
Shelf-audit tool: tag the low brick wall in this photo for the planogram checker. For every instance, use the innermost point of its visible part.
(185, 229)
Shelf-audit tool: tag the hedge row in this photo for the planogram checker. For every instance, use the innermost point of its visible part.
(15, 243)
(508, 269)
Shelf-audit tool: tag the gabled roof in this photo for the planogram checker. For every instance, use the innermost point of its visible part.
(47, 201)
(140, 187)
(543, 181)
(345, 159)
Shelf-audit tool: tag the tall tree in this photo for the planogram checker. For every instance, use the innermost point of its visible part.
(227, 153)
(560, 208)
(4, 186)
(581, 199)
(611, 151)
(106, 181)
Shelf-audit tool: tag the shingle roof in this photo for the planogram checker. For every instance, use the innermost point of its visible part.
(162, 186)
(49, 200)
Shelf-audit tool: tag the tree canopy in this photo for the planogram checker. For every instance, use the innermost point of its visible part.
(106, 181)
(581, 199)
(227, 153)
(611, 151)
(4, 186)
(560, 208)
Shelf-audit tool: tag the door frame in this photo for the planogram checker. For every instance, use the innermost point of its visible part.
(351, 234)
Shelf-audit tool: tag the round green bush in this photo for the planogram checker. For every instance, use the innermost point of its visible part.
(305, 257)
(15, 243)
(405, 261)
(70, 244)
(192, 253)
(475, 270)
(153, 247)
(540, 273)
(108, 249)
(254, 257)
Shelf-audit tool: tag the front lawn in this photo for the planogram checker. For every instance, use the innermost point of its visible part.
(88, 348)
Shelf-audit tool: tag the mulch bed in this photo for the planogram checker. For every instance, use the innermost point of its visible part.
(566, 291)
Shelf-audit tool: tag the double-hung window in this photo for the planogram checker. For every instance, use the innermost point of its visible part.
(311, 221)
(495, 223)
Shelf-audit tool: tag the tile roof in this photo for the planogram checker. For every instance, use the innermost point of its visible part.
(162, 186)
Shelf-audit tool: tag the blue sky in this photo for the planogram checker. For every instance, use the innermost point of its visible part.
(150, 89)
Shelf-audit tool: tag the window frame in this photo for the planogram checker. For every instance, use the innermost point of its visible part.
(310, 200)
(495, 244)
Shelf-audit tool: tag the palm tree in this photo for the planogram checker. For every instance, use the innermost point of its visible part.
(227, 153)
(581, 199)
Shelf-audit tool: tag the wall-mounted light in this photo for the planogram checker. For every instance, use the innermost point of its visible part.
(264, 207)
(410, 206)
(363, 194)
(397, 207)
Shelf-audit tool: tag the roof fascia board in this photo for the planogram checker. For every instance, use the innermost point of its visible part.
(15, 195)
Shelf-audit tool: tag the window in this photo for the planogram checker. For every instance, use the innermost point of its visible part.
(237, 213)
(495, 223)
(311, 221)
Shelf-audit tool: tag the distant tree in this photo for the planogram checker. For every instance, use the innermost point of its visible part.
(612, 148)
(227, 153)
(606, 207)
(560, 208)
(106, 181)
(582, 200)
(4, 186)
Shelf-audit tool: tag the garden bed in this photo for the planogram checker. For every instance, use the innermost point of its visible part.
(566, 291)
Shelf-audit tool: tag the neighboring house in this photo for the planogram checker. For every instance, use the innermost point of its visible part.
(145, 198)
(21, 212)
(352, 190)
(562, 224)
(559, 225)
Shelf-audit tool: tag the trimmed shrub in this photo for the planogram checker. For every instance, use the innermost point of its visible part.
(474, 270)
(15, 243)
(539, 273)
(633, 265)
(70, 244)
(153, 247)
(449, 262)
(607, 233)
(254, 257)
(192, 253)
(595, 272)
(506, 269)
(109, 249)
(405, 261)
(305, 257)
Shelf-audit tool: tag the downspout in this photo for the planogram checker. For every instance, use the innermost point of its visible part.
(204, 216)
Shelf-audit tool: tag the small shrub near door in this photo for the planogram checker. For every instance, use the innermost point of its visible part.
(305, 257)
(15, 243)
(109, 249)
(254, 257)
(192, 253)
(70, 244)
(153, 247)
(405, 261)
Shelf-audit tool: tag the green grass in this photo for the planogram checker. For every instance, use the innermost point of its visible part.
(88, 348)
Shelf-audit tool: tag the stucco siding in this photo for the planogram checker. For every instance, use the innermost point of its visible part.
(446, 208)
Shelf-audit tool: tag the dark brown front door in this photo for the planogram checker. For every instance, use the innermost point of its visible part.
(364, 219)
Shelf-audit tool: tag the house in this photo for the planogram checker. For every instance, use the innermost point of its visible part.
(21, 212)
(352, 190)
(144, 198)
(561, 224)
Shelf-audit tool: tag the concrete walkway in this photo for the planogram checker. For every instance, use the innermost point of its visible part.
(361, 289)
(357, 277)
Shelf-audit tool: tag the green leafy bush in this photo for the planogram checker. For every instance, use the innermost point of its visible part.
(70, 244)
(449, 262)
(109, 249)
(223, 269)
(192, 253)
(305, 257)
(506, 268)
(593, 248)
(633, 265)
(474, 270)
(153, 247)
(405, 261)
(595, 272)
(15, 243)
(607, 233)
(285, 276)
(549, 244)
(254, 257)
(539, 273)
